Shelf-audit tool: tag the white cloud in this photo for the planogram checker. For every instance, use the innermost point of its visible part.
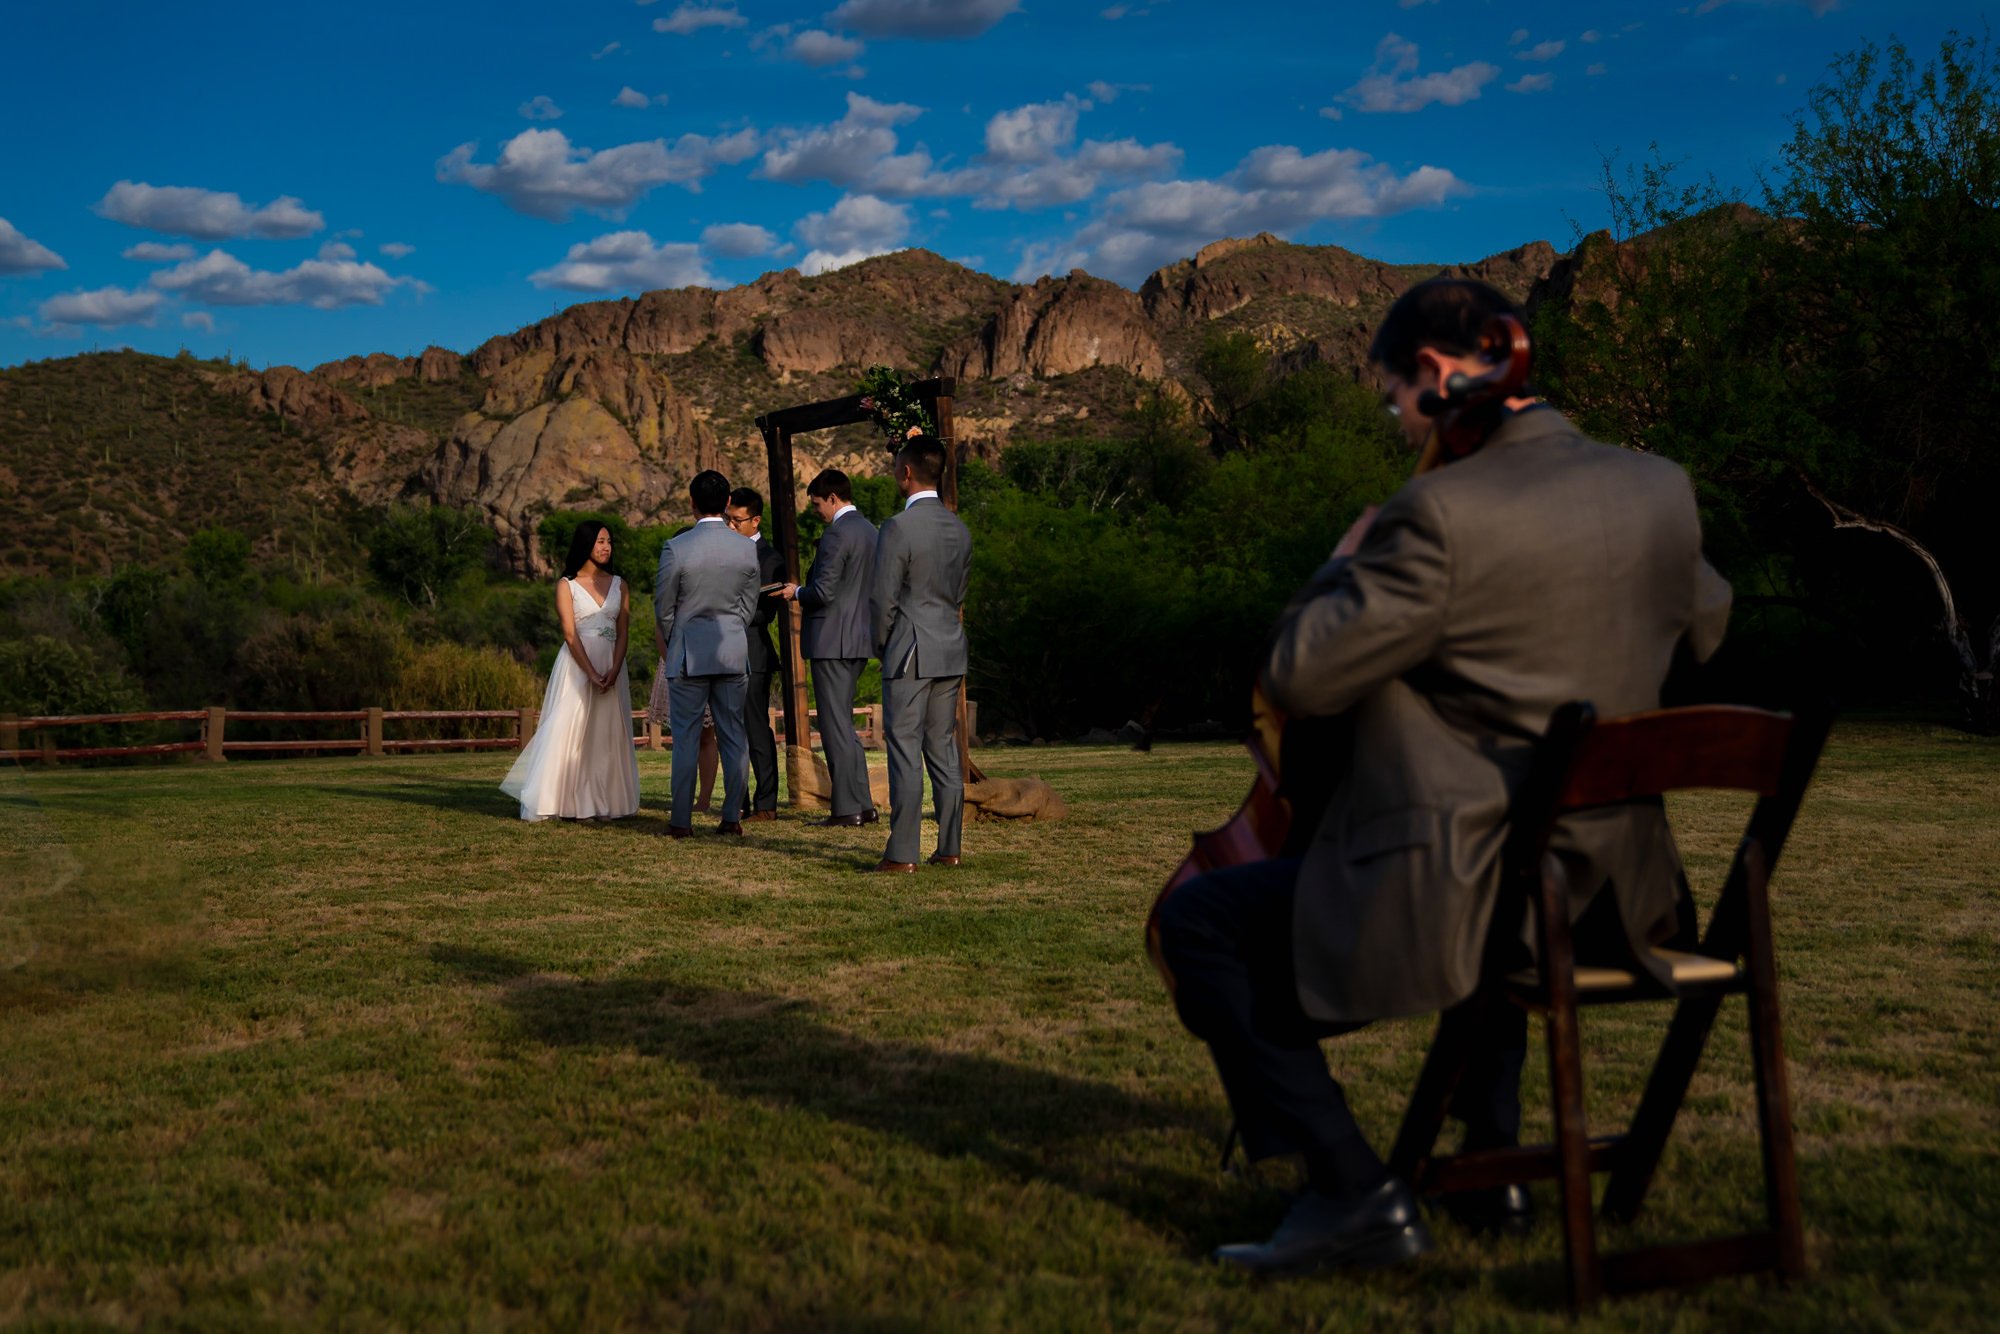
(857, 152)
(336, 250)
(18, 254)
(921, 18)
(607, 49)
(1033, 133)
(541, 174)
(396, 249)
(853, 229)
(106, 306)
(694, 17)
(153, 252)
(1393, 85)
(1277, 189)
(624, 262)
(1108, 93)
(1520, 36)
(540, 107)
(819, 49)
(220, 279)
(1542, 51)
(1532, 83)
(206, 215)
(1028, 163)
(198, 319)
(628, 96)
(740, 240)
(1594, 70)
(1592, 35)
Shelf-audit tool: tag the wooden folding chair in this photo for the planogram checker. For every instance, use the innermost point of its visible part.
(1583, 763)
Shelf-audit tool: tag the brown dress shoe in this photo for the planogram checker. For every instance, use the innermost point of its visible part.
(730, 827)
(754, 816)
(839, 822)
(679, 831)
(944, 859)
(896, 868)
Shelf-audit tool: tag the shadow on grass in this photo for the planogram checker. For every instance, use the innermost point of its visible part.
(1033, 1125)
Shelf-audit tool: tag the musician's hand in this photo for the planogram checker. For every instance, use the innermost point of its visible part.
(790, 592)
(1350, 541)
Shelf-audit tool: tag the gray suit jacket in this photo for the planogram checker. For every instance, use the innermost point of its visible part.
(1545, 568)
(835, 597)
(703, 596)
(923, 559)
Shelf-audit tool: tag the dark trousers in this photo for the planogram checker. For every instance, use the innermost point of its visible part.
(763, 743)
(1227, 937)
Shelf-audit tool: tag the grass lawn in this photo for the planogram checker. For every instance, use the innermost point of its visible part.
(340, 1041)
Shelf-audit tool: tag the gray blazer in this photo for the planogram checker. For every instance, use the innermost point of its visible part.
(835, 597)
(703, 596)
(1544, 568)
(923, 559)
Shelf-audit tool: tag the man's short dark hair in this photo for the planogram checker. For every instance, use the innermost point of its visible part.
(709, 491)
(1443, 313)
(924, 454)
(831, 482)
(747, 500)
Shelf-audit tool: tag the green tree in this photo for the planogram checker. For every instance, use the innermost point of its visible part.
(419, 551)
(218, 556)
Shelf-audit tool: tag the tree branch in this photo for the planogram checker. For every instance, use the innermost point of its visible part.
(1954, 626)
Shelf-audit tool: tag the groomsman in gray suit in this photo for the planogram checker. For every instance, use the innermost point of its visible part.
(835, 638)
(923, 559)
(703, 597)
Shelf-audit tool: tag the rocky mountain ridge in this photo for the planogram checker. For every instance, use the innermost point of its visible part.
(615, 404)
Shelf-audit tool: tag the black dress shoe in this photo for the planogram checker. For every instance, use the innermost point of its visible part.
(730, 827)
(1505, 1209)
(1380, 1227)
(679, 831)
(869, 816)
(839, 822)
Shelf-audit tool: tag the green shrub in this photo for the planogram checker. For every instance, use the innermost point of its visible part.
(453, 676)
(345, 661)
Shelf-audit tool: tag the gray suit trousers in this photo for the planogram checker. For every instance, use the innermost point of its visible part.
(833, 681)
(921, 717)
(723, 697)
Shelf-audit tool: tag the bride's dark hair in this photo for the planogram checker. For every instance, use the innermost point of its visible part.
(580, 543)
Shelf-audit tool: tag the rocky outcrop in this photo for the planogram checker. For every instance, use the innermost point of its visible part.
(309, 403)
(1057, 327)
(824, 339)
(438, 365)
(369, 372)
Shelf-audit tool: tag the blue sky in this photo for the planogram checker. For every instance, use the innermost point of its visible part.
(291, 186)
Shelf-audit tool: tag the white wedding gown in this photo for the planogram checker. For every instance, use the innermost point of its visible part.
(580, 764)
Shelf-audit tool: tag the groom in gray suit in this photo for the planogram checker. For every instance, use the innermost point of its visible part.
(923, 559)
(835, 638)
(703, 597)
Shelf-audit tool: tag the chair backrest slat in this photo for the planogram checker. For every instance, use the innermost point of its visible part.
(1669, 750)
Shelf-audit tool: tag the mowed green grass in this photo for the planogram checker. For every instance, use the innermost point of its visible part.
(341, 1042)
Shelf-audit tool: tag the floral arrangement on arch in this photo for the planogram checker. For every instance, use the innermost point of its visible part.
(891, 399)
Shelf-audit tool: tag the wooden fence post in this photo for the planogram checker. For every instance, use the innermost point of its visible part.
(529, 719)
(10, 731)
(374, 732)
(971, 719)
(211, 733)
(47, 738)
(653, 733)
(875, 727)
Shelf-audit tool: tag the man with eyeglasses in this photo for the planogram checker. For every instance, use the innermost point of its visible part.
(745, 515)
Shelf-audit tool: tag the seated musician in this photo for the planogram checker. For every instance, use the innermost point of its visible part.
(1446, 629)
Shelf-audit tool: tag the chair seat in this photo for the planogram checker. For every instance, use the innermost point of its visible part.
(1688, 970)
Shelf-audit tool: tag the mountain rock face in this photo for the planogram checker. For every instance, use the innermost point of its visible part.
(617, 404)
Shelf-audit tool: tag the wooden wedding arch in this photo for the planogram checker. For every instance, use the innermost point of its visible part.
(779, 428)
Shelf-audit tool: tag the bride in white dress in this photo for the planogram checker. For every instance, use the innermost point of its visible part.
(580, 764)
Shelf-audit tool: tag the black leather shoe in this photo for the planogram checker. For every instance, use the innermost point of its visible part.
(869, 816)
(1504, 1209)
(1381, 1227)
(730, 827)
(839, 822)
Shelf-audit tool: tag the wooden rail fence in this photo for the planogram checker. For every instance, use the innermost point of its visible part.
(214, 743)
